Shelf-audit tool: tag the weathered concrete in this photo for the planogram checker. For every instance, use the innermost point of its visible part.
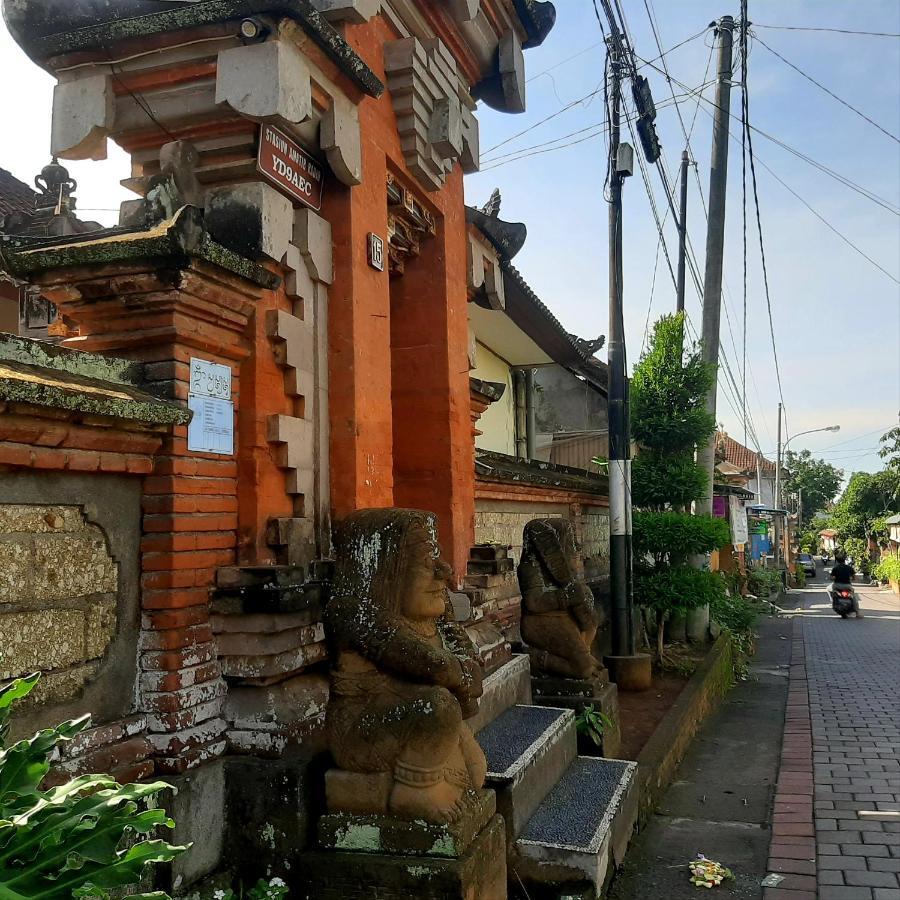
(719, 801)
(69, 592)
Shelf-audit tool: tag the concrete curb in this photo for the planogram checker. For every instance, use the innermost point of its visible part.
(661, 755)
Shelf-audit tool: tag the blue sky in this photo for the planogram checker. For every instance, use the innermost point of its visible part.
(825, 296)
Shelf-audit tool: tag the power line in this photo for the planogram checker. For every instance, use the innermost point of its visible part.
(847, 182)
(691, 255)
(759, 228)
(833, 30)
(804, 202)
(558, 112)
(828, 91)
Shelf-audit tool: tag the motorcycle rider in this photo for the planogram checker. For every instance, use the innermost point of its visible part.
(842, 577)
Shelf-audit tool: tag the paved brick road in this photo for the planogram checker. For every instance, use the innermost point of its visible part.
(851, 672)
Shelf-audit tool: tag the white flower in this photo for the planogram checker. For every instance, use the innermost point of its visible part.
(219, 894)
(277, 882)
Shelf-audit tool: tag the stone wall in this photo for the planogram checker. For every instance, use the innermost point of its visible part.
(68, 593)
(502, 522)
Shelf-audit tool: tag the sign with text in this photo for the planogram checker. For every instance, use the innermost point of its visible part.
(289, 167)
(739, 531)
(209, 397)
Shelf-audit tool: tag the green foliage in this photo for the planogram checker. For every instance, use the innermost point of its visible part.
(668, 392)
(68, 841)
(816, 479)
(858, 548)
(888, 569)
(763, 582)
(736, 613)
(867, 498)
(660, 481)
(799, 575)
(262, 890)
(671, 537)
(593, 722)
(891, 449)
(678, 589)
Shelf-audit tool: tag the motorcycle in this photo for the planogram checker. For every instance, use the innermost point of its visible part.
(842, 600)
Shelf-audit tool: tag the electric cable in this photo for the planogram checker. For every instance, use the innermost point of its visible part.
(828, 91)
(833, 30)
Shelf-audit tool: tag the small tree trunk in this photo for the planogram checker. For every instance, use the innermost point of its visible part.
(660, 634)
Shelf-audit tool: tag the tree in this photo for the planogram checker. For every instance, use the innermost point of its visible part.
(868, 497)
(815, 480)
(669, 420)
(891, 449)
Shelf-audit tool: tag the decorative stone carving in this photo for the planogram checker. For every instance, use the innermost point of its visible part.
(558, 616)
(464, 10)
(354, 12)
(404, 675)
(83, 112)
(436, 129)
(268, 82)
(505, 88)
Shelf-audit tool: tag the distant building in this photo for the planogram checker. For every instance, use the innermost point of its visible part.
(49, 211)
(759, 471)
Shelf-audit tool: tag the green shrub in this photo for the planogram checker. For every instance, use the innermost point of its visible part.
(888, 569)
(660, 480)
(858, 548)
(678, 589)
(763, 582)
(68, 841)
(736, 613)
(673, 537)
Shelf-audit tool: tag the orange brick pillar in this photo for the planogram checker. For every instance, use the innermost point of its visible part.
(359, 338)
(162, 312)
(434, 455)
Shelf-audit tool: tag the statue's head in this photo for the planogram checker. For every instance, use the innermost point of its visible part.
(389, 559)
(552, 543)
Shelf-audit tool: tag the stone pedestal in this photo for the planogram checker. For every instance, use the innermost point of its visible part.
(578, 693)
(362, 857)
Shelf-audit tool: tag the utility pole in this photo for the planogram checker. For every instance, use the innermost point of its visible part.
(619, 450)
(778, 495)
(682, 233)
(715, 245)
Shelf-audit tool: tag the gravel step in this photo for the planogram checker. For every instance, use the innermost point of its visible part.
(528, 748)
(583, 825)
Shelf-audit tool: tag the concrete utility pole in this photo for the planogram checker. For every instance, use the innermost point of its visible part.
(715, 245)
(682, 233)
(619, 450)
(778, 495)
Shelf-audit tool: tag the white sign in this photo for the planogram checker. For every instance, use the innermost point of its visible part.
(376, 252)
(210, 379)
(212, 428)
(739, 532)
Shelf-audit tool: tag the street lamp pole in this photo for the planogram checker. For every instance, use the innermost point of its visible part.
(778, 478)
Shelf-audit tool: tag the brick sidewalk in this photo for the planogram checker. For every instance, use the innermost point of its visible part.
(841, 755)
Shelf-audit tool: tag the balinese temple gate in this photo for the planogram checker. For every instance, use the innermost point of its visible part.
(273, 340)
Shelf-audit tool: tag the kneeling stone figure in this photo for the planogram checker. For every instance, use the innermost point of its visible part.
(559, 620)
(404, 675)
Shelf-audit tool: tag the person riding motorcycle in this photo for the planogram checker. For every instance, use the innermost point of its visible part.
(842, 577)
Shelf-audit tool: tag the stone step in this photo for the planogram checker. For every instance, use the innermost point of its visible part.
(507, 686)
(582, 828)
(528, 748)
(502, 579)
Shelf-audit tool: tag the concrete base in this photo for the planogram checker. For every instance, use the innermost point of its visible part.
(631, 673)
(509, 686)
(340, 875)
(387, 834)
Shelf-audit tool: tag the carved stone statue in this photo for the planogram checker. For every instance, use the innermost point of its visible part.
(559, 620)
(404, 676)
